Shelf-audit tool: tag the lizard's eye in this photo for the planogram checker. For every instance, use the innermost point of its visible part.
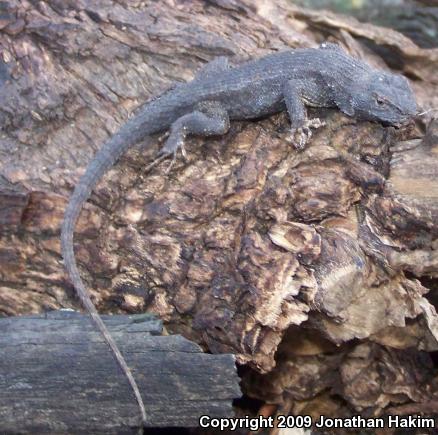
(379, 101)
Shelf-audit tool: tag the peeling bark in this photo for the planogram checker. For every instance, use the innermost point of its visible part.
(249, 246)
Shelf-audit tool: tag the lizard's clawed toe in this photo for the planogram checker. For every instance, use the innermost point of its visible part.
(183, 151)
(172, 162)
(314, 123)
(301, 135)
(163, 136)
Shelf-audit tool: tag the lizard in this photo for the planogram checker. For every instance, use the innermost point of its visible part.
(291, 80)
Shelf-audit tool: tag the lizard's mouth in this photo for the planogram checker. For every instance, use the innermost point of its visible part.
(403, 122)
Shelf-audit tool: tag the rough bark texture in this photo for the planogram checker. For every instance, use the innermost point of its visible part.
(248, 245)
(58, 376)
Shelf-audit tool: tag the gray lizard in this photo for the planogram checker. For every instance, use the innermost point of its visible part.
(320, 77)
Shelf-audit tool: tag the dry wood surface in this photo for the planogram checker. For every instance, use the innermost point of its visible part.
(317, 268)
(59, 377)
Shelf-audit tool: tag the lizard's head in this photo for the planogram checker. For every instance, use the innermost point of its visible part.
(382, 97)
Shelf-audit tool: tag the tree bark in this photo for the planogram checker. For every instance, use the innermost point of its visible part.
(313, 267)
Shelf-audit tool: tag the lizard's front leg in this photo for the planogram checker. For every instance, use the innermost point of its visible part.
(208, 119)
(293, 95)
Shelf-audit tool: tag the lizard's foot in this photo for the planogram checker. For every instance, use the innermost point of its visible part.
(170, 148)
(301, 135)
(173, 143)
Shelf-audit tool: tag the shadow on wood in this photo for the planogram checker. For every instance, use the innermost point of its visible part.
(58, 376)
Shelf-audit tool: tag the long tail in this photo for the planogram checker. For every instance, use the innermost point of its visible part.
(129, 135)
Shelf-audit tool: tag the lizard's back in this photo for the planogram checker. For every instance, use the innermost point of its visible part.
(254, 88)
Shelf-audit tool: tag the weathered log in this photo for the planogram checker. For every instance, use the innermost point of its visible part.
(58, 376)
(308, 265)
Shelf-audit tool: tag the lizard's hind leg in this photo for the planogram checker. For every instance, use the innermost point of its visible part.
(209, 118)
